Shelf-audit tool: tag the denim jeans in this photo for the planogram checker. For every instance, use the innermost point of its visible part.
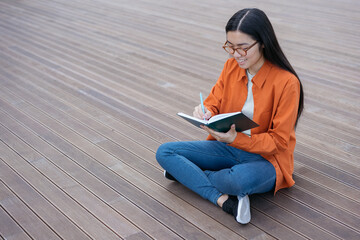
(212, 168)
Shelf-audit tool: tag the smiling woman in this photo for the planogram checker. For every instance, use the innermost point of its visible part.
(260, 82)
(247, 57)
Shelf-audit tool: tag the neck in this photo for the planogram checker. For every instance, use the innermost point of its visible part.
(256, 67)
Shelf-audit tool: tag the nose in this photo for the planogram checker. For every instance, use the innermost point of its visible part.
(236, 54)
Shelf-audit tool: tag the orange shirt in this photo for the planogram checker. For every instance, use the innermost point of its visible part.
(276, 94)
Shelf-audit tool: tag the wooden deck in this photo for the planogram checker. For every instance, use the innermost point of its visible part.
(90, 89)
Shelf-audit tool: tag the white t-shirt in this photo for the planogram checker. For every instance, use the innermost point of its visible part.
(248, 108)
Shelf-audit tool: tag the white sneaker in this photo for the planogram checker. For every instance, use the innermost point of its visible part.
(243, 210)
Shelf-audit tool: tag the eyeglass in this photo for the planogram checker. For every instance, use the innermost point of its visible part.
(241, 51)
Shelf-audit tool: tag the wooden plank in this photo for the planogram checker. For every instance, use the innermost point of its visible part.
(80, 105)
(64, 201)
(93, 136)
(76, 121)
(104, 64)
(326, 169)
(95, 186)
(180, 125)
(120, 115)
(294, 222)
(45, 210)
(332, 132)
(332, 124)
(134, 111)
(321, 223)
(274, 228)
(31, 225)
(71, 16)
(326, 182)
(333, 198)
(180, 122)
(333, 146)
(323, 158)
(138, 236)
(321, 213)
(9, 229)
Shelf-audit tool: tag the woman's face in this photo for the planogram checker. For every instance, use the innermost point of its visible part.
(254, 58)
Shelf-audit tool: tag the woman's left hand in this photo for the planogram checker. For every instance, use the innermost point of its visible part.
(227, 137)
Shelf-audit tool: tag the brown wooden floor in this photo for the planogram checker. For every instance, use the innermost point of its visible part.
(90, 89)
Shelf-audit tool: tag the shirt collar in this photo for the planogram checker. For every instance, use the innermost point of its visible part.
(260, 76)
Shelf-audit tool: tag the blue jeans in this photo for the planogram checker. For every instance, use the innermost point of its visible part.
(212, 168)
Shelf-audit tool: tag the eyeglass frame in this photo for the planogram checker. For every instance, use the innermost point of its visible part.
(245, 50)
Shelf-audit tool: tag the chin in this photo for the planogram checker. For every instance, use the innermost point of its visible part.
(243, 66)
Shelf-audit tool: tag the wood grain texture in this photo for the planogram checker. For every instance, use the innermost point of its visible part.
(90, 89)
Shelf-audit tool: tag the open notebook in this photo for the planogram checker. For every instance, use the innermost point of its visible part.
(223, 122)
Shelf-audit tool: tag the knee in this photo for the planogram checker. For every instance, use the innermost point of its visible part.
(163, 151)
(230, 181)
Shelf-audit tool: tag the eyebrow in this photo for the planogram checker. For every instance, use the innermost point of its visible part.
(240, 44)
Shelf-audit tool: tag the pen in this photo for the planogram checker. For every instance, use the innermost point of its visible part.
(202, 104)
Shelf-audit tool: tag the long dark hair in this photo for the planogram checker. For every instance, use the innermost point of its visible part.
(255, 23)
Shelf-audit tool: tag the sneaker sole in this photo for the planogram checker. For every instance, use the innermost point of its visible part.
(243, 215)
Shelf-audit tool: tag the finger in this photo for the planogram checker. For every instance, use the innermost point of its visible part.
(231, 134)
(209, 130)
(212, 132)
(201, 112)
(205, 128)
(207, 114)
(197, 112)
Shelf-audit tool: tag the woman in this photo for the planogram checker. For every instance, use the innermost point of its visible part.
(259, 81)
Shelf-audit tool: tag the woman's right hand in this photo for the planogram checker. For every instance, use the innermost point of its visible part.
(198, 113)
